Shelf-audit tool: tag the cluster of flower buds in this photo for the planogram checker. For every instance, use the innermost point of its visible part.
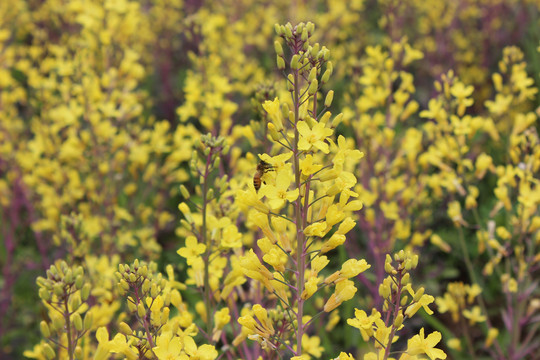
(64, 291)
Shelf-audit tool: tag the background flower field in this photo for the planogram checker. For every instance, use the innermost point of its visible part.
(256, 179)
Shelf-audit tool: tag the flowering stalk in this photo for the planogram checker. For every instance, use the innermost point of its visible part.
(318, 225)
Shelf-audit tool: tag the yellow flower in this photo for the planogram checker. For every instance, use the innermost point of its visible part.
(421, 345)
(344, 356)
(307, 166)
(474, 315)
(363, 322)
(279, 194)
(274, 111)
(424, 301)
(192, 249)
(345, 290)
(169, 347)
(205, 352)
(314, 137)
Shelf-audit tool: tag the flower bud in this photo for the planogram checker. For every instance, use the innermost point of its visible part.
(329, 98)
(294, 62)
(58, 323)
(68, 278)
(312, 74)
(44, 328)
(184, 191)
(76, 301)
(48, 351)
(141, 311)
(280, 63)
(313, 87)
(154, 291)
(44, 294)
(277, 29)
(273, 132)
(125, 329)
(337, 120)
(79, 355)
(58, 289)
(398, 321)
(418, 294)
(290, 83)
(278, 48)
(77, 321)
(88, 320)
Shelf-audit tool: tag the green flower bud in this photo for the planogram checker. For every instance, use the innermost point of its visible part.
(304, 36)
(154, 291)
(146, 286)
(294, 61)
(85, 292)
(388, 268)
(310, 27)
(326, 54)
(121, 268)
(280, 63)
(277, 29)
(398, 321)
(125, 329)
(164, 315)
(315, 50)
(406, 279)
(88, 321)
(44, 328)
(58, 323)
(79, 355)
(77, 321)
(273, 132)
(326, 76)
(75, 301)
(44, 294)
(79, 281)
(313, 87)
(299, 28)
(404, 300)
(79, 271)
(144, 271)
(131, 305)
(337, 120)
(132, 278)
(290, 83)
(141, 311)
(278, 48)
(41, 282)
(384, 291)
(136, 264)
(58, 289)
(124, 284)
(185, 224)
(312, 74)
(48, 351)
(419, 294)
(329, 98)
(288, 32)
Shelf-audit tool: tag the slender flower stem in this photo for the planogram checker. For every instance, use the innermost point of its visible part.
(68, 329)
(205, 240)
(300, 237)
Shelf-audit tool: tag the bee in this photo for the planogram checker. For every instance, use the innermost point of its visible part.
(262, 169)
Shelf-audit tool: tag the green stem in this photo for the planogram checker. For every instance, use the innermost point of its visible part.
(68, 329)
(205, 240)
(300, 237)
